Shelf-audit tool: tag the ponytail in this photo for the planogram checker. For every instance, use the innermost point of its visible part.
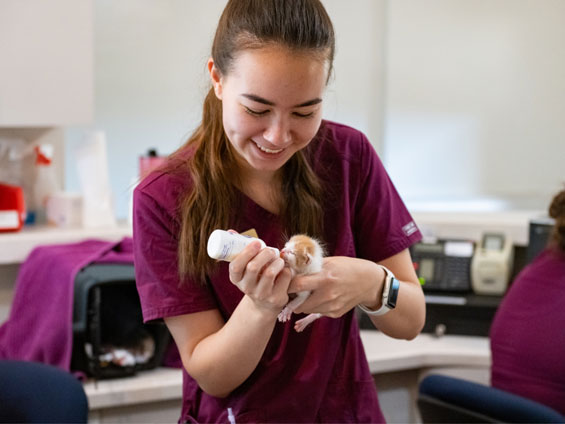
(208, 203)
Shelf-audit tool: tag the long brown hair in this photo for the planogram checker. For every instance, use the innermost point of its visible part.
(299, 25)
(557, 212)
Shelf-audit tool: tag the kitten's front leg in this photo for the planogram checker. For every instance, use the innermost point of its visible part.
(286, 313)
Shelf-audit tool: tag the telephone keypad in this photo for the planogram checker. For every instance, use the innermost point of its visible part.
(450, 273)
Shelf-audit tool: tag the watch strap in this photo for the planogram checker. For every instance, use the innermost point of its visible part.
(390, 294)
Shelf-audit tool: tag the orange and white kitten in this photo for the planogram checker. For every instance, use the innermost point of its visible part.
(303, 255)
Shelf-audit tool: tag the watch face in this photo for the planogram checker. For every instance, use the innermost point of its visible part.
(393, 293)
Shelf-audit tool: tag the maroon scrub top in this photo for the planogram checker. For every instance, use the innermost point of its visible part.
(527, 337)
(321, 374)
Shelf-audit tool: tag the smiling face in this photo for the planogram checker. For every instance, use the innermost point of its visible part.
(272, 105)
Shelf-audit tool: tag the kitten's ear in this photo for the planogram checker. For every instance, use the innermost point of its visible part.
(308, 258)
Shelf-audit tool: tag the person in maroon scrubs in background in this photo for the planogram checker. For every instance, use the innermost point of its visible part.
(264, 159)
(527, 336)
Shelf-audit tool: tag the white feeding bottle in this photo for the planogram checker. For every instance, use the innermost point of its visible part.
(225, 246)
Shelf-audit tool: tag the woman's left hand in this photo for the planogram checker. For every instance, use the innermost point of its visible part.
(342, 284)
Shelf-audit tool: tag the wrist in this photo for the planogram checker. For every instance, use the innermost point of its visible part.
(262, 312)
(373, 297)
(389, 295)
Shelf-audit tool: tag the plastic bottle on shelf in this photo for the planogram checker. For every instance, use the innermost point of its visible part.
(45, 181)
(149, 162)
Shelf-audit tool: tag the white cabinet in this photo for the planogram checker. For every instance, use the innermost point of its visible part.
(46, 57)
(46, 84)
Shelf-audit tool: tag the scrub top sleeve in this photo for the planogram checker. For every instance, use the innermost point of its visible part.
(156, 267)
(383, 226)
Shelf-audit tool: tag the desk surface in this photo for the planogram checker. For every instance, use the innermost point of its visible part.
(386, 354)
(383, 353)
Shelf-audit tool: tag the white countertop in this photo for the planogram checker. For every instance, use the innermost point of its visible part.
(386, 354)
(147, 386)
(383, 353)
(16, 246)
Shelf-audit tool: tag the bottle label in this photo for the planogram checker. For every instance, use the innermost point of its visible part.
(233, 246)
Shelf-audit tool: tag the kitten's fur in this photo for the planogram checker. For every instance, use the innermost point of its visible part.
(303, 255)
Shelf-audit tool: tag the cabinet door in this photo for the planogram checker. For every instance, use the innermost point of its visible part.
(46, 56)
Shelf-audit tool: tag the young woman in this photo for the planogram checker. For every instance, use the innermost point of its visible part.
(527, 337)
(264, 159)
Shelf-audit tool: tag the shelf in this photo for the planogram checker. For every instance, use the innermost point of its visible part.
(471, 225)
(15, 247)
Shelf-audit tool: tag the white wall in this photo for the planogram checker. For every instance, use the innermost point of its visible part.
(150, 79)
(476, 99)
(356, 94)
(463, 98)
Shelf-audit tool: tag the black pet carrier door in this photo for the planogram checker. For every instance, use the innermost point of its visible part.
(109, 337)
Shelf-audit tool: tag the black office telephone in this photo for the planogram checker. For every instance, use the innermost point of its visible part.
(444, 265)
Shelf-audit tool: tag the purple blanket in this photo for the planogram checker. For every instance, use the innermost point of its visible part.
(40, 324)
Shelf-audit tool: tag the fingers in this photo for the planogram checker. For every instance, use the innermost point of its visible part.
(313, 304)
(304, 283)
(307, 283)
(317, 303)
(238, 265)
(272, 269)
(263, 266)
(283, 280)
(254, 268)
(262, 276)
(325, 298)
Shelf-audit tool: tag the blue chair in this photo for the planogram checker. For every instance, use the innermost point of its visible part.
(31, 392)
(443, 399)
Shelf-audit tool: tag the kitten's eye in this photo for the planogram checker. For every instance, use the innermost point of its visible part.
(255, 112)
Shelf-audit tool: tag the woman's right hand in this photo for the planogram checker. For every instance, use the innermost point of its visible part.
(262, 276)
(209, 345)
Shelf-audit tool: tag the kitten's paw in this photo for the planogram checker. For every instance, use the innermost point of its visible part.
(301, 324)
(285, 315)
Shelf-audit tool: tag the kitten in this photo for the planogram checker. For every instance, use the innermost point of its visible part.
(303, 255)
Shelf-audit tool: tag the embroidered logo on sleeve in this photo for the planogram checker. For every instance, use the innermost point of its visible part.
(410, 228)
